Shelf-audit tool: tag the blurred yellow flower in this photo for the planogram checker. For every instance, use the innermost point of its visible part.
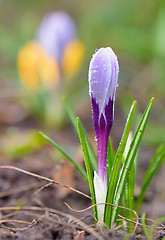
(36, 68)
(73, 57)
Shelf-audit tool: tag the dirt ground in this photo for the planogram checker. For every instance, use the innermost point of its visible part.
(34, 208)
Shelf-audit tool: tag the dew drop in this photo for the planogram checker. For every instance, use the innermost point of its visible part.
(95, 139)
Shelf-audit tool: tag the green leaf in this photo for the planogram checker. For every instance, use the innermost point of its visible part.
(153, 227)
(153, 167)
(116, 165)
(129, 160)
(110, 157)
(73, 120)
(87, 165)
(76, 165)
(129, 187)
(129, 196)
(150, 234)
(71, 115)
(144, 227)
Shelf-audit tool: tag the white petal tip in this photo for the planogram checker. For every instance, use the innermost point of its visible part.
(100, 191)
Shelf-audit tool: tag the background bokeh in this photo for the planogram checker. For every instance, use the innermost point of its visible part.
(135, 31)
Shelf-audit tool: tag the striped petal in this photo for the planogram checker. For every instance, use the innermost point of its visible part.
(103, 77)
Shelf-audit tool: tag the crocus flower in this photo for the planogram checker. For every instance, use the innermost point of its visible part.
(36, 68)
(56, 30)
(73, 57)
(56, 54)
(57, 34)
(103, 76)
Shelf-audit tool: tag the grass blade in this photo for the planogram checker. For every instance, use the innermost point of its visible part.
(154, 227)
(145, 227)
(153, 167)
(129, 186)
(129, 160)
(71, 115)
(76, 165)
(110, 157)
(87, 164)
(116, 166)
(129, 197)
(73, 120)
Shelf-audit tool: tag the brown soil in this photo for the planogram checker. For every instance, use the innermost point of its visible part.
(38, 209)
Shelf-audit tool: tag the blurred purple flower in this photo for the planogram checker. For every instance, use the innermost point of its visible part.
(56, 30)
(103, 77)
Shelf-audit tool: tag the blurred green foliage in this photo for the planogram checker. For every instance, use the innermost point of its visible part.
(16, 143)
(134, 29)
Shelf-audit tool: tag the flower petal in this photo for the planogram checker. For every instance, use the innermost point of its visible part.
(103, 76)
(56, 30)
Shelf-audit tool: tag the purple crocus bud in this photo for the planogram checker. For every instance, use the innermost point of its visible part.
(103, 76)
(56, 30)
